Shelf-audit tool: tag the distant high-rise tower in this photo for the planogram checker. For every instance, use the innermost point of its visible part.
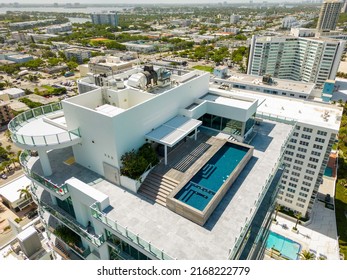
(329, 14)
(110, 18)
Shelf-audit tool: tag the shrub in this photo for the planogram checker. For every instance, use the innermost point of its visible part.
(134, 163)
(17, 220)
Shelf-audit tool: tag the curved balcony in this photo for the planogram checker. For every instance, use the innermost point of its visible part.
(61, 190)
(43, 127)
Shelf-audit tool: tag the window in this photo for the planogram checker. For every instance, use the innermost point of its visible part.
(287, 159)
(292, 147)
(305, 136)
(318, 147)
(300, 205)
(289, 195)
(309, 130)
(291, 190)
(284, 182)
(320, 140)
(315, 153)
(302, 150)
(288, 200)
(300, 156)
(294, 179)
(302, 194)
(312, 166)
(310, 172)
(323, 133)
(292, 185)
(292, 140)
(304, 143)
(297, 127)
(289, 153)
(305, 189)
(308, 178)
(313, 159)
(295, 134)
(296, 174)
(297, 168)
(299, 162)
(301, 199)
(306, 183)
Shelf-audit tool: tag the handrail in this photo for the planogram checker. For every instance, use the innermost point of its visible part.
(135, 238)
(58, 189)
(40, 140)
(73, 224)
(277, 118)
(258, 201)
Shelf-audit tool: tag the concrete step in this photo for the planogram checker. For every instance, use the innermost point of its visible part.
(155, 184)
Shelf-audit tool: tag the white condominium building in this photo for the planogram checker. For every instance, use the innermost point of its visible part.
(212, 194)
(312, 60)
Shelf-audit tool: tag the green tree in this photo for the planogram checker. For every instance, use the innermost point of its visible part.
(298, 216)
(307, 255)
(25, 193)
(277, 208)
(72, 65)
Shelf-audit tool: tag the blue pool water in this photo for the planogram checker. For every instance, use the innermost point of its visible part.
(287, 247)
(207, 181)
(328, 172)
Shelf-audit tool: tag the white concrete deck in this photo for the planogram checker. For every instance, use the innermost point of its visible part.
(321, 234)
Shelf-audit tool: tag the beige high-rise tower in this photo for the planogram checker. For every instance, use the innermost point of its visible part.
(329, 15)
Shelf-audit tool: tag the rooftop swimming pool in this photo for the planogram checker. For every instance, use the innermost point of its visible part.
(211, 182)
(287, 247)
(207, 181)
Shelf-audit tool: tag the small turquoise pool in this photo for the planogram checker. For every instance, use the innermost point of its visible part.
(206, 182)
(328, 171)
(286, 246)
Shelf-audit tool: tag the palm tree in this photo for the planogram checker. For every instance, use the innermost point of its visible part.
(298, 216)
(277, 208)
(25, 192)
(307, 255)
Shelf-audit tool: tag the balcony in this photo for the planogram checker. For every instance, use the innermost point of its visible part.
(73, 224)
(134, 238)
(42, 127)
(61, 190)
(69, 250)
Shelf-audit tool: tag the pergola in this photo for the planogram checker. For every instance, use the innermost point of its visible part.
(173, 131)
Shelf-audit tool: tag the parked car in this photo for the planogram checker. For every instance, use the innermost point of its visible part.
(327, 198)
(3, 176)
(32, 214)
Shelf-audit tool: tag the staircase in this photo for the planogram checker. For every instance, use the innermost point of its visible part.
(157, 187)
(61, 251)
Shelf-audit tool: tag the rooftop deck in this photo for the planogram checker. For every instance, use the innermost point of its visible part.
(177, 236)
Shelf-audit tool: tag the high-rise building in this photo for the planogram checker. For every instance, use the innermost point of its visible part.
(312, 60)
(110, 18)
(191, 197)
(5, 113)
(329, 14)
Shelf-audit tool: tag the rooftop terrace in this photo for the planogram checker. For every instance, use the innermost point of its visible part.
(158, 224)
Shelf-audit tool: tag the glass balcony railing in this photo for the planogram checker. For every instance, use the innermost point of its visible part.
(248, 220)
(135, 238)
(73, 224)
(60, 190)
(276, 118)
(41, 140)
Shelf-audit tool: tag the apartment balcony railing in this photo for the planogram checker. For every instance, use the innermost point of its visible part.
(257, 202)
(58, 189)
(276, 118)
(82, 252)
(72, 224)
(135, 238)
(40, 140)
